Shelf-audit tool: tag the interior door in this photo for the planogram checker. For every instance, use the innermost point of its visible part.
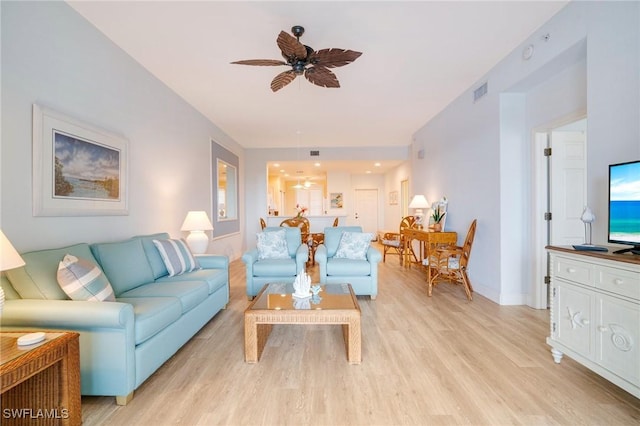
(366, 210)
(568, 186)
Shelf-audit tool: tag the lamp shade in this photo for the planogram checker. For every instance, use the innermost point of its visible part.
(9, 257)
(197, 221)
(587, 215)
(419, 202)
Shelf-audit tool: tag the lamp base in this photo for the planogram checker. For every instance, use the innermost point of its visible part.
(198, 242)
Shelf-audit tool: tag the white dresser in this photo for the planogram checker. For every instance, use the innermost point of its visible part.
(595, 313)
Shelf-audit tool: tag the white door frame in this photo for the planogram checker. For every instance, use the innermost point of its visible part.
(538, 297)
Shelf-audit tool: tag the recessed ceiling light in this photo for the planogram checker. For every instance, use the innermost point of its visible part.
(317, 164)
(276, 164)
(368, 171)
(377, 164)
(282, 170)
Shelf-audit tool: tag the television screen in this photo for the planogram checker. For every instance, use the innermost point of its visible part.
(624, 204)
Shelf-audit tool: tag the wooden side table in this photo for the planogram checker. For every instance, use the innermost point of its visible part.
(40, 383)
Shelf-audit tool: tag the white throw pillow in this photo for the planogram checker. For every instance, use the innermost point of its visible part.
(273, 245)
(176, 256)
(354, 245)
(81, 279)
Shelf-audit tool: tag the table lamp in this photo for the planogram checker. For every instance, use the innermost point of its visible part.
(9, 259)
(588, 218)
(419, 202)
(197, 222)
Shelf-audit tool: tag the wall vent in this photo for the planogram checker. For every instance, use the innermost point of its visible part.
(480, 91)
(314, 153)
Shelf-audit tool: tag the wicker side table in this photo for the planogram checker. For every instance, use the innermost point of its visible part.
(40, 384)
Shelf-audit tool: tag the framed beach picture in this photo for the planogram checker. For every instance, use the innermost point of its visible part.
(336, 200)
(78, 169)
(393, 198)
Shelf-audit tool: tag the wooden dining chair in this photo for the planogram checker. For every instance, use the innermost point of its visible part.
(335, 222)
(451, 262)
(393, 242)
(263, 224)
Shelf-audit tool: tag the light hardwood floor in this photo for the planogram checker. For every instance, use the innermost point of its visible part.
(439, 360)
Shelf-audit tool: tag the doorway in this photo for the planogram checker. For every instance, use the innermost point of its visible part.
(560, 196)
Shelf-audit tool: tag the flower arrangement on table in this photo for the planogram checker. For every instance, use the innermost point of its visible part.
(301, 210)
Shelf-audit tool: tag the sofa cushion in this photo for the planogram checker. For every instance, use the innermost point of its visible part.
(81, 279)
(125, 264)
(274, 268)
(354, 245)
(152, 314)
(292, 235)
(153, 255)
(176, 256)
(272, 245)
(190, 293)
(37, 279)
(348, 267)
(215, 278)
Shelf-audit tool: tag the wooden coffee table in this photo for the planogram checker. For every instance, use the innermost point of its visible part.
(276, 305)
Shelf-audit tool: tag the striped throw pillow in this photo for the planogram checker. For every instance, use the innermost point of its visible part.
(81, 279)
(176, 256)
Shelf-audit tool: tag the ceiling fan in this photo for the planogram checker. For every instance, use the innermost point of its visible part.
(304, 60)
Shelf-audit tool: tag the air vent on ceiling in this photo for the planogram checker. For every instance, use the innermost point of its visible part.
(314, 153)
(480, 91)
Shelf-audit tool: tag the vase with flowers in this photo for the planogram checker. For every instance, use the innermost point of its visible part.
(301, 210)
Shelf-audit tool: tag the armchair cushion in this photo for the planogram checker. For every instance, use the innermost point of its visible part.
(81, 279)
(176, 256)
(354, 245)
(272, 245)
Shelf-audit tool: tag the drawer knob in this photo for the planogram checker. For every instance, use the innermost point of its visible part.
(618, 281)
(571, 270)
(602, 329)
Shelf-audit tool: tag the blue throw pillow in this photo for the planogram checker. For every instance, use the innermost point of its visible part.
(176, 256)
(273, 245)
(354, 245)
(81, 279)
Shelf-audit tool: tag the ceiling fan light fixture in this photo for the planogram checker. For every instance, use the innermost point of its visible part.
(303, 60)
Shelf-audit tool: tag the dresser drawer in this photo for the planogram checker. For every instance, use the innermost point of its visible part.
(619, 281)
(573, 270)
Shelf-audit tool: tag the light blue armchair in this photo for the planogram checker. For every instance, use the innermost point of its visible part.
(263, 271)
(361, 274)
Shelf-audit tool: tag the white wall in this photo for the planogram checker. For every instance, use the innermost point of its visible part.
(53, 57)
(478, 154)
(393, 213)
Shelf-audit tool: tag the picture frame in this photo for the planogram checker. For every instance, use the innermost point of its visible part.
(337, 200)
(78, 169)
(393, 198)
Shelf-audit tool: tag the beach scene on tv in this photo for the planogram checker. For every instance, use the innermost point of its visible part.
(85, 170)
(624, 207)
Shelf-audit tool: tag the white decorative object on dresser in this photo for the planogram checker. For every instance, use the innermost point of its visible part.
(595, 313)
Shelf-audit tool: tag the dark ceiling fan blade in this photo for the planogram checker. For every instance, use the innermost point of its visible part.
(332, 58)
(321, 76)
(260, 62)
(282, 80)
(291, 47)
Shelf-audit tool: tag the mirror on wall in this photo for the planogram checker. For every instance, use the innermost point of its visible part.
(227, 191)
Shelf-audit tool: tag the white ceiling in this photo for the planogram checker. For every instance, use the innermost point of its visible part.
(417, 57)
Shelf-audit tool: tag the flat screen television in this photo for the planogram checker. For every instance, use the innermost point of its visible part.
(624, 205)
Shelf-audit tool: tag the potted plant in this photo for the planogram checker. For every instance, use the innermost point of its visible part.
(437, 217)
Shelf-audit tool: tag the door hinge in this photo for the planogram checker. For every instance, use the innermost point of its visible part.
(547, 279)
(547, 152)
(547, 216)
(554, 327)
(554, 292)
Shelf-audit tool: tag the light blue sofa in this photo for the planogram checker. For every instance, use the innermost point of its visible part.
(263, 271)
(123, 342)
(361, 274)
